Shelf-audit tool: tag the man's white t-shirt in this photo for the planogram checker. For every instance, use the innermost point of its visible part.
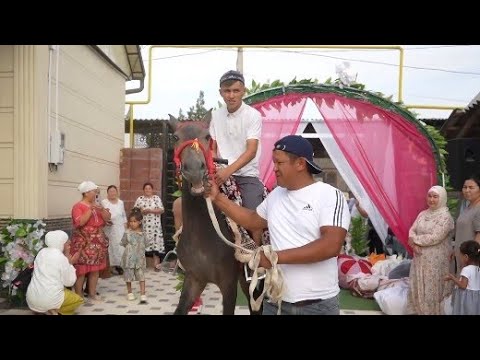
(231, 132)
(294, 220)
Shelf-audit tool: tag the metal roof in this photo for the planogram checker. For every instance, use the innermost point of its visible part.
(134, 55)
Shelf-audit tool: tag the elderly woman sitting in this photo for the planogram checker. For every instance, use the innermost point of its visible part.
(53, 271)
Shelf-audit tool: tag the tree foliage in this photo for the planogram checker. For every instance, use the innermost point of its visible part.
(197, 111)
(358, 233)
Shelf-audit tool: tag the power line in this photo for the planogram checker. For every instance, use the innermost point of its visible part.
(181, 55)
(339, 58)
(372, 62)
(385, 50)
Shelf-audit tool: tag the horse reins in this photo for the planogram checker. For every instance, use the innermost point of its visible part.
(273, 285)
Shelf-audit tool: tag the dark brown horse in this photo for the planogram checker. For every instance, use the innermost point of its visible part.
(202, 253)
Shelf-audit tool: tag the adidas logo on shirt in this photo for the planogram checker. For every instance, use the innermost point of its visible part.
(307, 207)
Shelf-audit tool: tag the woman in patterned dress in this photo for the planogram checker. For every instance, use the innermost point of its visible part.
(430, 237)
(89, 218)
(151, 207)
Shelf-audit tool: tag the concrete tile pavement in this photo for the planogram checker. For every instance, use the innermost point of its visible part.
(162, 299)
(161, 294)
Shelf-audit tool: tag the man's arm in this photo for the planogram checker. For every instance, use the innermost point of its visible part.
(244, 159)
(214, 148)
(360, 209)
(247, 218)
(328, 246)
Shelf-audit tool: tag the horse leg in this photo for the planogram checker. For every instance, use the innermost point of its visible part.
(228, 288)
(192, 289)
(256, 293)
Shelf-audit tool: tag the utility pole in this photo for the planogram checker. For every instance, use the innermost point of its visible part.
(240, 60)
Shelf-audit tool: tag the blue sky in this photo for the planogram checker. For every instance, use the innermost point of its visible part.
(444, 74)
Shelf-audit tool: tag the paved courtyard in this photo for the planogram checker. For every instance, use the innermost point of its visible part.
(162, 299)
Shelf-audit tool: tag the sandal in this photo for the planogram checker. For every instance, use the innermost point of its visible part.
(158, 267)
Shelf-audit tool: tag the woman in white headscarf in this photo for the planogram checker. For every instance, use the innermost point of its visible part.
(88, 238)
(53, 270)
(430, 237)
(115, 228)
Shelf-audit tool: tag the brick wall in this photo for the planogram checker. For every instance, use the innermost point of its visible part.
(64, 224)
(4, 222)
(138, 166)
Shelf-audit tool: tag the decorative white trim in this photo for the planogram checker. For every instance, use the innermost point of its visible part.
(30, 131)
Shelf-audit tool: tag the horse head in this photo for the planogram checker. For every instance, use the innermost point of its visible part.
(193, 155)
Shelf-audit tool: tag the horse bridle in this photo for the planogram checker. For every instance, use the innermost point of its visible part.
(197, 146)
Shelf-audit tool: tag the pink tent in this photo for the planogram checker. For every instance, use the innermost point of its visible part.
(371, 141)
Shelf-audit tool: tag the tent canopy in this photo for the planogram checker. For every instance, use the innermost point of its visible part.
(386, 157)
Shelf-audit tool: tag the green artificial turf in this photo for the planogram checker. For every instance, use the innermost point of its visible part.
(350, 302)
(347, 301)
(241, 298)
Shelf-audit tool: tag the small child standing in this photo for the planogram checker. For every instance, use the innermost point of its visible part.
(466, 296)
(133, 262)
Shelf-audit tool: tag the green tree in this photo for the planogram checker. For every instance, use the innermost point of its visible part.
(196, 112)
(181, 115)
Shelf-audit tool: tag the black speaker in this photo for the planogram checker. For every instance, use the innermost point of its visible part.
(463, 160)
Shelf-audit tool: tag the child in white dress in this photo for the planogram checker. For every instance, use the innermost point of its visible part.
(466, 296)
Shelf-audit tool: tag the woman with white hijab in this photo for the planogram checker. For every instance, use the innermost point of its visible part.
(430, 237)
(115, 228)
(52, 272)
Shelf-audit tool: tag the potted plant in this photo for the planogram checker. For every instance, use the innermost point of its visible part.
(358, 235)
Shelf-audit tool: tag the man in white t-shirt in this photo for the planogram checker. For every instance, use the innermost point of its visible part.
(236, 130)
(307, 221)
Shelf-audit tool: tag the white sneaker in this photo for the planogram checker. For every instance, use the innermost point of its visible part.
(143, 298)
(130, 297)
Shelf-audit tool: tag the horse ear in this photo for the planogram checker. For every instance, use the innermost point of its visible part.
(208, 117)
(173, 122)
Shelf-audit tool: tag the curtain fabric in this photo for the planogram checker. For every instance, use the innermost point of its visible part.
(384, 159)
(281, 116)
(391, 158)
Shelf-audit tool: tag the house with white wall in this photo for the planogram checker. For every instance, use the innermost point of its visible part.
(61, 122)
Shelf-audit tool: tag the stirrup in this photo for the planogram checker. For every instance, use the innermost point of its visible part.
(249, 273)
(165, 265)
